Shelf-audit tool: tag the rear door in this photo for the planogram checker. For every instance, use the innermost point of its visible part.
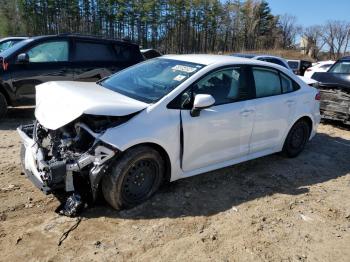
(92, 60)
(48, 61)
(275, 106)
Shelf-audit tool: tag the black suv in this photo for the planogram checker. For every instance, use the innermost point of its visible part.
(56, 58)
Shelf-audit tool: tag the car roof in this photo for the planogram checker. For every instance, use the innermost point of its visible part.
(13, 38)
(269, 56)
(81, 36)
(244, 55)
(218, 60)
(345, 58)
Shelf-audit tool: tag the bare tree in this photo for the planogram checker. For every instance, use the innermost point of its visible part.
(336, 35)
(289, 30)
(315, 40)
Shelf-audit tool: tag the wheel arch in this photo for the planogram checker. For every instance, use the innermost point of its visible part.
(5, 94)
(163, 154)
(307, 119)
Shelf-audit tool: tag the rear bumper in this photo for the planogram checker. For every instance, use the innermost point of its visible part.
(29, 159)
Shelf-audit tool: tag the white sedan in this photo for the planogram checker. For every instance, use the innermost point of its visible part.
(161, 120)
(322, 66)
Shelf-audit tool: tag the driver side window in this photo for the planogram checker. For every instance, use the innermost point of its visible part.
(225, 86)
(49, 52)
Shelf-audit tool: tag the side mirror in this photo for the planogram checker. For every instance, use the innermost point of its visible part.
(201, 101)
(23, 58)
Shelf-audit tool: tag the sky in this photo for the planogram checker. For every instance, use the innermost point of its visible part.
(312, 12)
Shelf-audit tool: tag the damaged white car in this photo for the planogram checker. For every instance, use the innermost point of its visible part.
(161, 120)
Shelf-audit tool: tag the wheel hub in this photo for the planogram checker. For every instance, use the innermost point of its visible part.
(140, 179)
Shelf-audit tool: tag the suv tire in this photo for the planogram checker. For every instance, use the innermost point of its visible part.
(3, 105)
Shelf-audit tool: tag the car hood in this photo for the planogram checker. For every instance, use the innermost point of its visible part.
(333, 80)
(58, 103)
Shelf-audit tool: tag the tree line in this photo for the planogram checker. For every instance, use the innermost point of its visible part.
(173, 26)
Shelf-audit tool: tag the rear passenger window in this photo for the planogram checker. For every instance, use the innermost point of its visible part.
(87, 51)
(267, 82)
(287, 84)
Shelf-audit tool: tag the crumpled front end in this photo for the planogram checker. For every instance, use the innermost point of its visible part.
(71, 158)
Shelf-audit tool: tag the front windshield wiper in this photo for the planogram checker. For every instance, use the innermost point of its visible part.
(99, 82)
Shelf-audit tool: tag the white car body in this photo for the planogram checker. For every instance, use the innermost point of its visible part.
(221, 136)
(322, 66)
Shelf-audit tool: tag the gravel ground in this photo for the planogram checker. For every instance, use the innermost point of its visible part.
(269, 209)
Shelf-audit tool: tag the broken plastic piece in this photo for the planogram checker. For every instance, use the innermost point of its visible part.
(73, 206)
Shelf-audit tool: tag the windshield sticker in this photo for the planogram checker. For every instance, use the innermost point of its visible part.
(235, 75)
(179, 78)
(186, 69)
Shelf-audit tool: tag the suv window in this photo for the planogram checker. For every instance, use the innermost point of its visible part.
(55, 51)
(88, 51)
(7, 44)
(124, 53)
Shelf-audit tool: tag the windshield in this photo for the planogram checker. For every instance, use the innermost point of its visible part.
(342, 67)
(151, 80)
(6, 45)
(15, 47)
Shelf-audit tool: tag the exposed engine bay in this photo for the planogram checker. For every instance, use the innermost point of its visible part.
(71, 158)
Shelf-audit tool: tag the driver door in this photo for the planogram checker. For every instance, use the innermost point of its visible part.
(222, 132)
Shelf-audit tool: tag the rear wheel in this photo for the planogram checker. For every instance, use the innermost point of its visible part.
(3, 105)
(133, 178)
(296, 139)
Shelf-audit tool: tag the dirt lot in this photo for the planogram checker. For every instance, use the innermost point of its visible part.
(270, 209)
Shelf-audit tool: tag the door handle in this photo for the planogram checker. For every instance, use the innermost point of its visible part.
(290, 102)
(246, 112)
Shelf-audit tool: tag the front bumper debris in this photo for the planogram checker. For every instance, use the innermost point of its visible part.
(52, 175)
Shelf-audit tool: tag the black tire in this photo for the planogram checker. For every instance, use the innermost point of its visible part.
(133, 178)
(297, 138)
(3, 106)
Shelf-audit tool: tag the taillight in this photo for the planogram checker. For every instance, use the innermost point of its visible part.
(318, 96)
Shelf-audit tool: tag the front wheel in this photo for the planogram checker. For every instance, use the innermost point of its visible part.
(3, 105)
(134, 177)
(296, 139)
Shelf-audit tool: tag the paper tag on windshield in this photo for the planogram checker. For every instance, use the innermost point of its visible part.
(186, 69)
(179, 78)
(235, 75)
